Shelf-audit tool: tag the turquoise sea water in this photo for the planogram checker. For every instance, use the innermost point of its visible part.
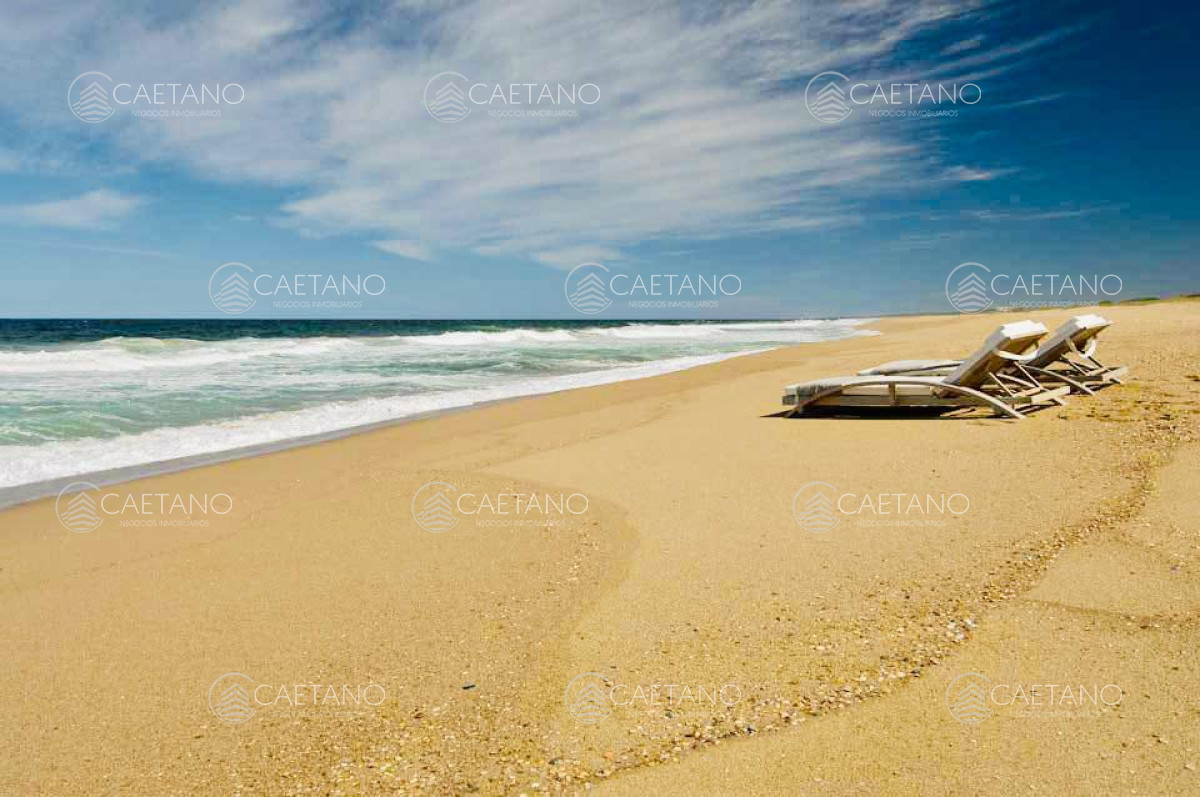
(79, 397)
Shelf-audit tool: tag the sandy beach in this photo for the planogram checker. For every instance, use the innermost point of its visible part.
(1074, 561)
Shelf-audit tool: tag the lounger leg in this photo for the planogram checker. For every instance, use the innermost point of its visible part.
(1088, 356)
(995, 403)
(1082, 388)
(1103, 372)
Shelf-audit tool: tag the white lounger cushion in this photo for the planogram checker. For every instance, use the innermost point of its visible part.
(1014, 338)
(908, 367)
(1079, 330)
(968, 376)
(809, 389)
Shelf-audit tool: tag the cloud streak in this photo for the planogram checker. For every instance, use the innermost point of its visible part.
(412, 250)
(95, 210)
(701, 129)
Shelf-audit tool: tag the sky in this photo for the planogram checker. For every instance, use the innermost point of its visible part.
(699, 156)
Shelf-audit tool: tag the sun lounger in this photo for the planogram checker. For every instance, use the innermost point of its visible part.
(979, 380)
(1066, 357)
(1069, 356)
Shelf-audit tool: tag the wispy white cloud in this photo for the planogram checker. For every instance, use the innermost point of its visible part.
(928, 241)
(700, 130)
(97, 248)
(995, 61)
(968, 174)
(573, 256)
(1038, 214)
(91, 211)
(1030, 101)
(413, 250)
(963, 46)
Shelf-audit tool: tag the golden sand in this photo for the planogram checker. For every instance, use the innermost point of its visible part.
(1075, 563)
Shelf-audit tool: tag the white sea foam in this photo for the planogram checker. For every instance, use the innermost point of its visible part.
(28, 464)
(117, 355)
(507, 337)
(123, 402)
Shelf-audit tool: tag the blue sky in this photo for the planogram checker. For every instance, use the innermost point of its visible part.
(700, 156)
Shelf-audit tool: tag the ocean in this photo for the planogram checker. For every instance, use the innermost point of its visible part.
(81, 397)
